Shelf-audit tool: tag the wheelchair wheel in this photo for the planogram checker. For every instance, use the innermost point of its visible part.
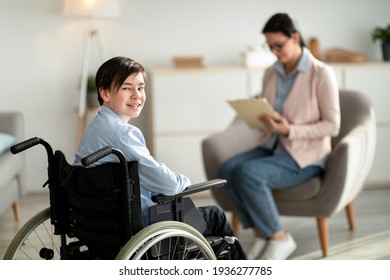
(31, 238)
(35, 240)
(167, 240)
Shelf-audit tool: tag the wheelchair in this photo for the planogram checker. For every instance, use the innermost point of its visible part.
(95, 213)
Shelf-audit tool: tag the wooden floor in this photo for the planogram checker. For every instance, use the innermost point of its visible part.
(370, 240)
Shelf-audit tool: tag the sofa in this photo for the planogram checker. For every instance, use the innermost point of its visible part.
(12, 167)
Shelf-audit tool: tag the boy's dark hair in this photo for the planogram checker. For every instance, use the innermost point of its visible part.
(114, 72)
(283, 23)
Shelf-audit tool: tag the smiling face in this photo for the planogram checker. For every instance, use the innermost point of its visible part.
(127, 100)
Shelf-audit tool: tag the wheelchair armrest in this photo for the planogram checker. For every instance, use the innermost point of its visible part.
(204, 186)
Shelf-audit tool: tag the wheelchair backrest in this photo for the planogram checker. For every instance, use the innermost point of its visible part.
(98, 205)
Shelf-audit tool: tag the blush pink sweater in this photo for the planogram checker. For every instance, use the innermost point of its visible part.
(312, 109)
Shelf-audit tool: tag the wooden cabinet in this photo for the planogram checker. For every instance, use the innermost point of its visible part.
(187, 105)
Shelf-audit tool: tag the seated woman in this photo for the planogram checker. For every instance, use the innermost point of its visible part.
(296, 144)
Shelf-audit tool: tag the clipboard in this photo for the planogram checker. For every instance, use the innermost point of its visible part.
(250, 109)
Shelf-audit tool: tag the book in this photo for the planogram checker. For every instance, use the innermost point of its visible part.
(250, 109)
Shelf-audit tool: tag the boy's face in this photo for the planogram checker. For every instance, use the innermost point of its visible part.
(130, 98)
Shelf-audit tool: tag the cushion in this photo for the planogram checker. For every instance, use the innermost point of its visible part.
(6, 141)
(303, 192)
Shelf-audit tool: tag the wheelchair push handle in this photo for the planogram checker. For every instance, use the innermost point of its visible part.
(88, 160)
(99, 154)
(17, 148)
(20, 147)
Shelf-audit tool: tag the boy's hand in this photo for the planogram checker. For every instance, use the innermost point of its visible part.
(276, 124)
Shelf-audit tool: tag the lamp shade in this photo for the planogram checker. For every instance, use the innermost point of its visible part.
(91, 8)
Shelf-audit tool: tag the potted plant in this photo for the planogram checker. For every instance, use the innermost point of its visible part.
(382, 34)
(92, 100)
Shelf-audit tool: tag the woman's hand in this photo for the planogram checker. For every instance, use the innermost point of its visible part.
(276, 124)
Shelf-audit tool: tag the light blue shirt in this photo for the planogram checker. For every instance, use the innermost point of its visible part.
(109, 129)
(285, 83)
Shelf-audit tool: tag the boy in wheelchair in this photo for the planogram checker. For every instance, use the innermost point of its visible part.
(121, 94)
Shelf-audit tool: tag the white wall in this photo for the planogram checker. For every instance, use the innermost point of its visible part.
(41, 50)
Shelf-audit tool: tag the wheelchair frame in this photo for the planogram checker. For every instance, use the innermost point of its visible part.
(167, 239)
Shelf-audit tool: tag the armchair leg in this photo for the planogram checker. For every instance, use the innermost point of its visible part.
(323, 233)
(350, 210)
(16, 210)
(235, 223)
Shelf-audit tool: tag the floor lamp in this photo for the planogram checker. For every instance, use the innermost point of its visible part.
(89, 9)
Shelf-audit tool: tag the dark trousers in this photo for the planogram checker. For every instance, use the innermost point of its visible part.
(218, 225)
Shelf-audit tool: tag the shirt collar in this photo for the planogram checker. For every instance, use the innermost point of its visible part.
(303, 63)
(107, 110)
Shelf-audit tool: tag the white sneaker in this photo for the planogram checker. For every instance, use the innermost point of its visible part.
(279, 249)
(256, 249)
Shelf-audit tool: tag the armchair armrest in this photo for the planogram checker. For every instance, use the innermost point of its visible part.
(347, 169)
(12, 122)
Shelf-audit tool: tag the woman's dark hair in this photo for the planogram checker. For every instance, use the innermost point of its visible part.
(283, 23)
(114, 72)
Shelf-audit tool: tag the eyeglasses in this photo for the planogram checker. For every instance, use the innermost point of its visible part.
(275, 47)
